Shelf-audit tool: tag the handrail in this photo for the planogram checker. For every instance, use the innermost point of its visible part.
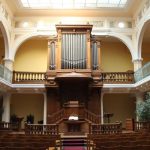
(38, 129)
(108, 128)
(141, 126)
(118, 77)
(91, 116)
(57, 116)
(142, 72)
(9, 126)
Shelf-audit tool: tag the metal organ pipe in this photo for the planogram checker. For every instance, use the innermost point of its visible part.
(94, 56)
(73, 51)
(52, 55)
(84, 47)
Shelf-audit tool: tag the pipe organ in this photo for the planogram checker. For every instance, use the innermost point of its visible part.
(73, 72)
(74, 51)
(74, 48)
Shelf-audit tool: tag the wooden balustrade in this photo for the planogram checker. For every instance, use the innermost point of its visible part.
(7, 126)
(111, 128)
(118, 77)
(29, 77)
(37, 129)
(106, 77)
(56, 117)
(142, 126)
(91, 116)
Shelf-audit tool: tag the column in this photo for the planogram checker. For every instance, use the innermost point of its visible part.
(45, 109)
(6, 107)
(139, 98)
(99, 54)
(49, 55)
(102, 108)
(137, 64)
(58, 50)
(9, 64)
(8, 74)
(88, 50)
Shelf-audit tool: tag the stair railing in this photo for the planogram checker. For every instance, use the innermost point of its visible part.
(56, 117)
(91, 116)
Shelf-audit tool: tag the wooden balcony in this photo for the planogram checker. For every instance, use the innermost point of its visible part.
(44, 78)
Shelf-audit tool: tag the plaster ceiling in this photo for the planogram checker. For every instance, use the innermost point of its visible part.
(128, 11)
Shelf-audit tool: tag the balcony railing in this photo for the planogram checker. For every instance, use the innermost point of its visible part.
(142, 72)
(37, 129)
(110, 128)
(142, 126)
(106, 77)
(5, 73)
(29, 77)
(118, 77)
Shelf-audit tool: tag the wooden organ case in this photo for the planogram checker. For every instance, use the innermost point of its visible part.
(73, 74)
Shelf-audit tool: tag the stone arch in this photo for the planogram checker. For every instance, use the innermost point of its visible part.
(22, 39)
(5, 34)
(140, 35)
(124, 39)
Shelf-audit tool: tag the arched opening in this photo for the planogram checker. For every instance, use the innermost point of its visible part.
(116, 56)
(32, 55)
(145, 48)
(4, 40)
(2, 56)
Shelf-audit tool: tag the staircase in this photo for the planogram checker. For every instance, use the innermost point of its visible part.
(74, 143)
(87, 115)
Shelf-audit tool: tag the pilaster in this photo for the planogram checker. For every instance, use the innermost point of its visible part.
(6, 107)
(137, 64)
(9, 64)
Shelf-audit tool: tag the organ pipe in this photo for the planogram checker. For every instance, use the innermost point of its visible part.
(73, 51)
(52, 56)
(95, 63)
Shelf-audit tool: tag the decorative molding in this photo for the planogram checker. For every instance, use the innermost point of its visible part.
(142, 12)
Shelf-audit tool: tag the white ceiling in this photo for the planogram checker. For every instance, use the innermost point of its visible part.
(128, 11)
(75, 4)
(132, 6)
